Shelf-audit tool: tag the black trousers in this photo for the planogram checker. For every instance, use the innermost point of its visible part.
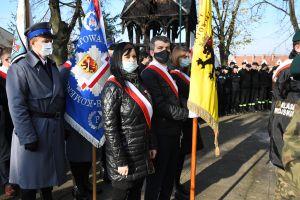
(159, 186)
(27, 194)
(4, 157)
(245, 96)
(4, 172)
(80, 172)
(263, 93)
(254, 95)
(235, 101)
(127, 190)
(228, 97)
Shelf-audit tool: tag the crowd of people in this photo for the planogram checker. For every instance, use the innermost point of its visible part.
(146, 122)
(245, 88)
(145, 119)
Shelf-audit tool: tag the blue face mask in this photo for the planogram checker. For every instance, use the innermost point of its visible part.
(185, 62)
(129, 66)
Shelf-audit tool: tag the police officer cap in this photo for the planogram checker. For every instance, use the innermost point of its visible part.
(296, 37)
(295, 67)
(248, 65)
(39, 29)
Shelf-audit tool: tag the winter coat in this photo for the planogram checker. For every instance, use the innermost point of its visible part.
(168, 110)
(30, 90)
(126, 132)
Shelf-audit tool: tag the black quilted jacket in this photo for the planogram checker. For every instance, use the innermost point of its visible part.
(126, 132)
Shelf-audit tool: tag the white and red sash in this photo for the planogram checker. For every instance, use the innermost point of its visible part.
(162, 71)
(138, 97)
(3, 72)
(181, 75)
(286, 64)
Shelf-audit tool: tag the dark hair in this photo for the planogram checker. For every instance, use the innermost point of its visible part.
(143, 55)
(5, 50)
(177, 53)
(112, 47)
(158, 38)
(116, 60)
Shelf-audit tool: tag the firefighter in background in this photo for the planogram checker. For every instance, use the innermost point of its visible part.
(245, 86)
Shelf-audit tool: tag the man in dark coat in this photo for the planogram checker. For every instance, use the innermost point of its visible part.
(6, 126)
(166, 122)
(36, 103)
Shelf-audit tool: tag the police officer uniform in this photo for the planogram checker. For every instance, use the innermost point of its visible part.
(36, 103)
(235, 100)
(245, 87)
(254, 87)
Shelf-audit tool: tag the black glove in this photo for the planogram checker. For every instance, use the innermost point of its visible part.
(33, 146)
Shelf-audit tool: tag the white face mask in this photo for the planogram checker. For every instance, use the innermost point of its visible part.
(129, 66)
(47, 49)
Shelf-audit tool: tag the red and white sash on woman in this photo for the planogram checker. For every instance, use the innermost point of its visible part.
(3, 72)
(181, 75)
(138, 97)
(162, 71)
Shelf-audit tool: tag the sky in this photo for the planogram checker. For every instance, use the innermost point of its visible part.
(270, 35)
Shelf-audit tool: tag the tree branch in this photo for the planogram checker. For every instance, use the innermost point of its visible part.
(75, 15)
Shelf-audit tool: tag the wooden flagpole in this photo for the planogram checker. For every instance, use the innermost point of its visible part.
(194, 159)
(94, 173)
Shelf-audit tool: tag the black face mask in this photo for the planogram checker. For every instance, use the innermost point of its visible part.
(162, 56)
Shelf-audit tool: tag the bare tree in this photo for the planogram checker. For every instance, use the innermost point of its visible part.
(61, 29)
(287, 7)
(225, 18)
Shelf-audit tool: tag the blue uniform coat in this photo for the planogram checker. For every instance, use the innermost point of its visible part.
(30, 89)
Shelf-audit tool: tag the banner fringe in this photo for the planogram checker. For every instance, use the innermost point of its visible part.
(83, 132)
(206, 116)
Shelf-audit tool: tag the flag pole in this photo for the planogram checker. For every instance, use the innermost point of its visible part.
(194, 159)
(27, 18)
(94, 173)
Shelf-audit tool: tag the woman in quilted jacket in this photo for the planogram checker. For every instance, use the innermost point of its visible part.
(127, 112)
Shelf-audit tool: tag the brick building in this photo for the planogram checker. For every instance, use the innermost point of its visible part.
(271, 60)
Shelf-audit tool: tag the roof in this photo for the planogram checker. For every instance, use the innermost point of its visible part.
(271, 60)
(6, 38)
(144, 8)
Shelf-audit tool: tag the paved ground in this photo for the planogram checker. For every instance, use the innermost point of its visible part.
(242, 171)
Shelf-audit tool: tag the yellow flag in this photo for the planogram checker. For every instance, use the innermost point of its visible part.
(203, 99)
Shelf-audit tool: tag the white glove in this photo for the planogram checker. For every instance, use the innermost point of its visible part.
(192, 114)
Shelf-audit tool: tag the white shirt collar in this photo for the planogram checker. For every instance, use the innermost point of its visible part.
(156, 63)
